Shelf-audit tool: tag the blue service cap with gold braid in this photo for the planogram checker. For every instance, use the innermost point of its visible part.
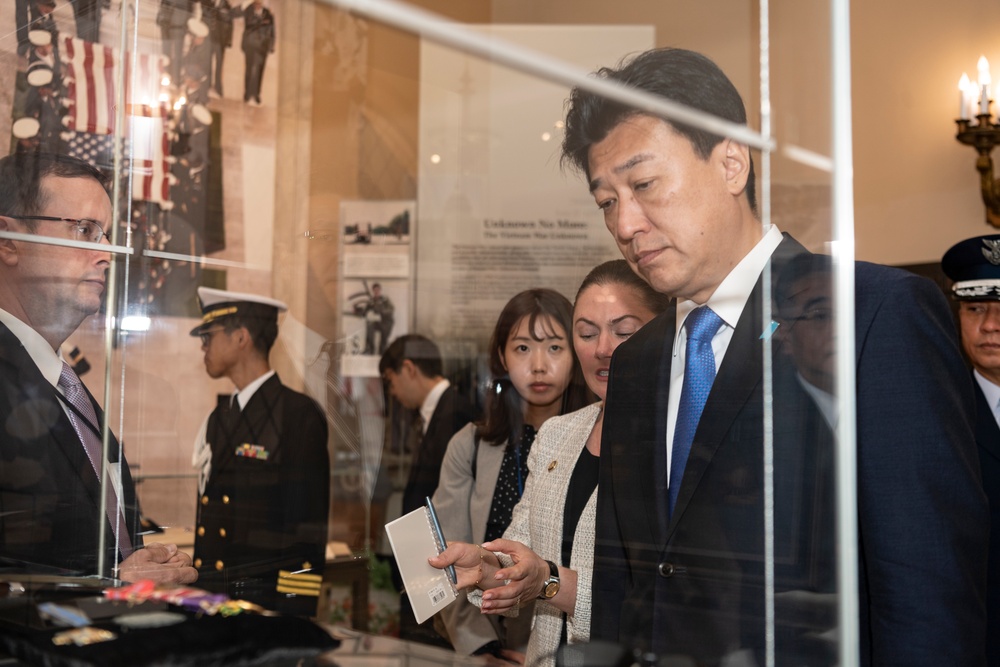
(217, 304)
(974, 266)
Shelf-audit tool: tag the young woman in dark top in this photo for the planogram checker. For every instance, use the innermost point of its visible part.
(535, 376)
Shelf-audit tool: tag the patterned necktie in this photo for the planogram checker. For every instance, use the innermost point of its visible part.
(415, 437)
(699, 374)
(73, 389)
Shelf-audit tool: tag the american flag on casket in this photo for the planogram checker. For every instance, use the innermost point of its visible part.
(91, 75)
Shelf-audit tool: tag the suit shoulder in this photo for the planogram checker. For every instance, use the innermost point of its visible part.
(878, 278)
(879, 288)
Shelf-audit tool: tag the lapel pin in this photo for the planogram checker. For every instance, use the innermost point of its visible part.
(552, 465)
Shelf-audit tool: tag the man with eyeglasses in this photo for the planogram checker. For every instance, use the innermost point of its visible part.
(264, 484)
(803, 304)
(50, 425)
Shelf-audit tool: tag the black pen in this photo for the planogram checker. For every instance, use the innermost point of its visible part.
(440, 540)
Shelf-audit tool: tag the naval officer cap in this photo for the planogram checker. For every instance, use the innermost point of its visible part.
(217, 304)
(974, 266)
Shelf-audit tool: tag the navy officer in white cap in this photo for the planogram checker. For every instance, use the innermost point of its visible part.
(264, 488)
(974, 266)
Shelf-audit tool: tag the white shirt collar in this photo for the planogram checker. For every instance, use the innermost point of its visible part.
(45, 358)
(731, 295)
(431, 402)
(990, 391)
(826, 402)
(245, 394)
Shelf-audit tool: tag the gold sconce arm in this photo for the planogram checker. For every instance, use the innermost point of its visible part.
(984, 136)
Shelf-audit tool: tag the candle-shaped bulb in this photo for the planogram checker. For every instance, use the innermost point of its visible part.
(984, 85)
(963, 96)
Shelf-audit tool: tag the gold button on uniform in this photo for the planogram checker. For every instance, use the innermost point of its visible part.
(201, 531)
(225, 500)
(307, 566)
(204, 500)
(197, 562)
(222, 532)
(219, 565)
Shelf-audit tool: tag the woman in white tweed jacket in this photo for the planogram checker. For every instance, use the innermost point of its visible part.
(611, 305)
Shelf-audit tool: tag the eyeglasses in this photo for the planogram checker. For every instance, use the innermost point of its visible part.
(815, 316)
(206, 336)
(85, 228)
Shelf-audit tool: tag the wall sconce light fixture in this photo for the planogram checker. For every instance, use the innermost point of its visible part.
(982, 134)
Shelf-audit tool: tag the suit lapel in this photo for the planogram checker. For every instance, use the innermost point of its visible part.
(637, 448)
(41, 400)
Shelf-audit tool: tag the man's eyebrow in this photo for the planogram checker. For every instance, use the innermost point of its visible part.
(623, 167)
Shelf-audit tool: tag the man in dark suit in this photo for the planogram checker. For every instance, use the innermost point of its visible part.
(681, 535)
(264, 488)
(218, 14)
(412, 370)
(974, 266)
(51, 455)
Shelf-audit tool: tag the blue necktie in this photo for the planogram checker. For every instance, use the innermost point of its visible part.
(699, 374)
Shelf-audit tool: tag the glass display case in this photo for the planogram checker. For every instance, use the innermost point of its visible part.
(385, 169)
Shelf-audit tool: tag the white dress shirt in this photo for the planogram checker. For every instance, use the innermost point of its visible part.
(431, 402)
(992, 394)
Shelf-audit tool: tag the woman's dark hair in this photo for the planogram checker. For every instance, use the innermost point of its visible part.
(504, 406)
(618, 272)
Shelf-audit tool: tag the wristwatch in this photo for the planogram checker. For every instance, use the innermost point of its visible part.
(551, 585)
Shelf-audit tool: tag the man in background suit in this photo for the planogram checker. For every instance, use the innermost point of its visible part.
(680, 521)
(50, 449)
(974, 266)
(412, 369)
(264, 488)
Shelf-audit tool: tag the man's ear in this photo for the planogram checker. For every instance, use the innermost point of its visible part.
(408, 368)
(8, 249)
(243, 338)
(737, 165)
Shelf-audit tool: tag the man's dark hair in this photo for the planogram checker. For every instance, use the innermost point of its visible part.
(21, 176)
(260, 322)
(420, 350)
(679, 75)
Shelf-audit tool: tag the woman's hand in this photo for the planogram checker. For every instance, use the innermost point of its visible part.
(473, 564)
(523, 579)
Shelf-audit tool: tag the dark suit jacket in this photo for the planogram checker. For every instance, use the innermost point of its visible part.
(453, 412)
(267, 509)
(693, 586)
(988, 442)
(49, 493)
